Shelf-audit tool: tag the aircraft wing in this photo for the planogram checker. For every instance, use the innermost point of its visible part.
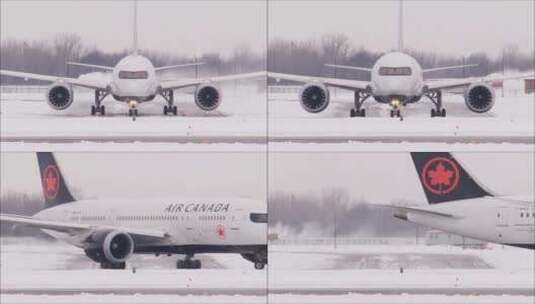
(330, 82)
(86, 83)
(76, 228)
(183, 83)
(464, 82)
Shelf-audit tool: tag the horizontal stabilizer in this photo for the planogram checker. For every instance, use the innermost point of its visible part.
(107, 68)
(168, 67)
(450, 67)
(348, 67)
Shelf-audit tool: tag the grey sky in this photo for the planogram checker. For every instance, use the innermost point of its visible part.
(453, 27)
(189, 27)
(381, 177)
(144, 174)
(375, 176)
(184, 27)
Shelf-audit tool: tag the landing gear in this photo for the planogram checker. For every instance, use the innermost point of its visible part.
(168, 95)
(436, 99)
(132, 109)
(395, 113)
(259, 259)
(360, 98)
(110, 265)
(169, 109)
(188, 263)
(97, 108)
(259, 266)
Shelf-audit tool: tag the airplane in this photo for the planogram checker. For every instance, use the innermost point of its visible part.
(397, 79)
(134, 80)
(457, 203)
(110, 231)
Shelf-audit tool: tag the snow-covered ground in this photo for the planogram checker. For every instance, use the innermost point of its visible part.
(297, 274)
(243, 113)
(512, 116)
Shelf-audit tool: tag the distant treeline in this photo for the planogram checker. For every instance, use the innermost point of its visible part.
(50, 56)
(332, 211)
(20, 204)
(306, 57)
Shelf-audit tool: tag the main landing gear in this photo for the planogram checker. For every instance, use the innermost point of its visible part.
(109, 265)
(360, 98)
(436, 99)
(168, 95)
(188, 263)
(97, 108)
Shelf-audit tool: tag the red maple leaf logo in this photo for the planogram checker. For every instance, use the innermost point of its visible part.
(440, 175)
(51, 182)
(220, 230)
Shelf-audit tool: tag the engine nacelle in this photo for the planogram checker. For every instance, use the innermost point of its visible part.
(117, 246)
(59, 96)
(207, 97)
(314, 97)
(479, 97)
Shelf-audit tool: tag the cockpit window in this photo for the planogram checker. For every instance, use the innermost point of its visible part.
(259, 217)
(390, 71)
(133, 75)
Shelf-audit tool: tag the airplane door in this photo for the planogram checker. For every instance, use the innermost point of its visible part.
(502, 217)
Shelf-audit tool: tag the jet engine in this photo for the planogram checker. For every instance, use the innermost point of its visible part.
(207, 97)
(117, 246)
(59, 96)
(314, 97)
(479, 97)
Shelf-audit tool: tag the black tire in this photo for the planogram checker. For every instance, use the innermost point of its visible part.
(196, 264)
(259, 265)
(102, 110)
(432, 112)
(93, 110)
(391, 113)
(135, 112)
(443, 112)
(180, 264)
(398, 113)
(352, 113)
(362, 113)
(165, 110)
(175, 110)
(129, 112)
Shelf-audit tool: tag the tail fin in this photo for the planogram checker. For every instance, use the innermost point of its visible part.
(400, 27)
(443, 179)
(134, 41)
(55, 189)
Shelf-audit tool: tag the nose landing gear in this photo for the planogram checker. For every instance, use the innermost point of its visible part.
(396, 109)
(132, 109)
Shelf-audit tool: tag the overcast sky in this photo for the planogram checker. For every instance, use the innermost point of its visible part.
(189, 27)
(454, 27)
(103, 175)
(184, 27)
(375, 176)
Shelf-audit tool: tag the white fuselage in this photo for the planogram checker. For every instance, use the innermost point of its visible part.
(134, 78)
(397, 76)
(494, 219)
(188, 221)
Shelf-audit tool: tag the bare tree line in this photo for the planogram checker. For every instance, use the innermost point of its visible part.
(335, 212)
(50, 56)
(308, 57)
